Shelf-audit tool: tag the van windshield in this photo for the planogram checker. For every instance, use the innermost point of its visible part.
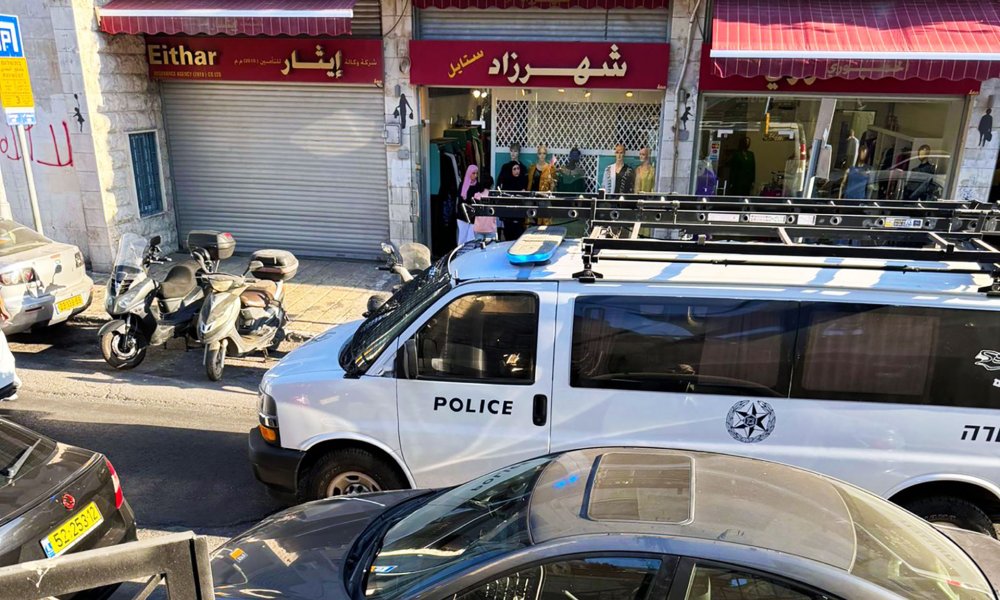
(382, 326)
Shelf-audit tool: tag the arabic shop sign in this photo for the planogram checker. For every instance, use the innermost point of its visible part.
(598, 65)
(290, 60)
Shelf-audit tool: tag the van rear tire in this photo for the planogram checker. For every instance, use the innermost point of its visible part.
(949, 510)
(347, 472)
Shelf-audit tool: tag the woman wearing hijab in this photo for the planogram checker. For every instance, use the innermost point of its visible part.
(470, 188)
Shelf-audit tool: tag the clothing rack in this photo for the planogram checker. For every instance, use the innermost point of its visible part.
(760, 229)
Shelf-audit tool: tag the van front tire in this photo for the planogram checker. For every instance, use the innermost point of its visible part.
(948, 510)
(347, 472)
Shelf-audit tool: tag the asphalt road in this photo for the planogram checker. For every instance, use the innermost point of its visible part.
(177, 440)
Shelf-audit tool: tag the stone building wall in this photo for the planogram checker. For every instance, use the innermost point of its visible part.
(978, 162)
(397, 27)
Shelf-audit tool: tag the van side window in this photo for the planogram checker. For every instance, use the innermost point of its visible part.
(481, 337)
(706, 346)
(907, 355)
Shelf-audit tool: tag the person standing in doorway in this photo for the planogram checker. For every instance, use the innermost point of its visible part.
(468, 195)
(742, 170)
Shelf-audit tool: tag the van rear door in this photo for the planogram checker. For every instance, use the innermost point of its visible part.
(474, 381)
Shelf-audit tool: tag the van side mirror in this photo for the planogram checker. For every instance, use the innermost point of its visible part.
(408, 359)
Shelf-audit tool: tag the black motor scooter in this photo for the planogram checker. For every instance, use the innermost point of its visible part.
(146, 312)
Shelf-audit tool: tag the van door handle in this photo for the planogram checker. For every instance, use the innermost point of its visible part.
(540, 412)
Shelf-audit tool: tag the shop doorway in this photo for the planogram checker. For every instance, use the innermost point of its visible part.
(489, 127)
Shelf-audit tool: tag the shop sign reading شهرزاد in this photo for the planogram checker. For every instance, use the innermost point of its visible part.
(599, 65)
(291, 60)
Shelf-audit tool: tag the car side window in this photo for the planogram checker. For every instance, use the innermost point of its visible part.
(663, 344)
(597, 578)
(481, 338)
(723, 583)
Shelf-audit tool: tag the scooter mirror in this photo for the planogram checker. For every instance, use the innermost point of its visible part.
(155, 240)
(387, 248)
(254, 265)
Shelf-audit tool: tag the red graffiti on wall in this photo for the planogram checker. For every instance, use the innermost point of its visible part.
(47, 156)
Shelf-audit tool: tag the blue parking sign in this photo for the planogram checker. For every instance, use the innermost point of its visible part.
(10, 37)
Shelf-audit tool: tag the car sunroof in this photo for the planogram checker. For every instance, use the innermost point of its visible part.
(633, 486)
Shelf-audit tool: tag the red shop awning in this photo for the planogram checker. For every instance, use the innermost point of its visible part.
(868, 39)
(516, 4)
(228, 17)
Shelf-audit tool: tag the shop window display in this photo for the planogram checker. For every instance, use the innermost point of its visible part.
(876, 148)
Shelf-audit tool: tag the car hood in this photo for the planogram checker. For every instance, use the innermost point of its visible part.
(321, 353)
(299, 553)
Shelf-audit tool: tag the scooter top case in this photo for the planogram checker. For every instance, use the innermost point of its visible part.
(279, 265)
(219, 245)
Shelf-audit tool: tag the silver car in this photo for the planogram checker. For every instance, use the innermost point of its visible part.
(42, 282)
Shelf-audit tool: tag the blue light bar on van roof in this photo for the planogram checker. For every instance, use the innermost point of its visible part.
(536, 245)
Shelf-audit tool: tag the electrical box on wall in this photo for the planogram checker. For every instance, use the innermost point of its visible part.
(393, 134)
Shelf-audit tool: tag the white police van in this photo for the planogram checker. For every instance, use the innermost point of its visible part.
(785, 334)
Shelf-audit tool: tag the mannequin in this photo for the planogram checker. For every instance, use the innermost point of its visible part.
(571, 177)
(645, 174)
(619, 178)
(851, 148)
(540, 174)
(920, 184)
(508, 182)
(742, 170)
(706, 182)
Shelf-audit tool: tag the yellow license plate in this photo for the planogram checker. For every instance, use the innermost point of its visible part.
(70, 303)
(72, 531)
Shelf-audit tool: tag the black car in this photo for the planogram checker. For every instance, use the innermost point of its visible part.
(611, 524)
(56, 499)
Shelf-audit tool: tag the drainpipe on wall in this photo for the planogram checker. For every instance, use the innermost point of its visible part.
(677, 95)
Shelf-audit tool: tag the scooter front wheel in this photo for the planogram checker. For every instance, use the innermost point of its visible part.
(215, 360)
(124, 350)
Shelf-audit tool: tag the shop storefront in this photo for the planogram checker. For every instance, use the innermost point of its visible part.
(508, 83)
(278, 140)
(840, 112)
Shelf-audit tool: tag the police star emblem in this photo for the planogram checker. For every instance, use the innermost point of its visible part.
(750, 421)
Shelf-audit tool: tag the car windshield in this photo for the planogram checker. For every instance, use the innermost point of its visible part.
(15, 238)
(907, 556)
(383, 325)
(485, 517)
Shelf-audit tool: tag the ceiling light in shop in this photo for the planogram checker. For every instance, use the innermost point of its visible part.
(562, 91)
(586, 94)
(629, 94)
(476, 93)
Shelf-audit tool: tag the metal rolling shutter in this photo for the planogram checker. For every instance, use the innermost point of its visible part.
(367, 19)
(567, 25)
(301, 168)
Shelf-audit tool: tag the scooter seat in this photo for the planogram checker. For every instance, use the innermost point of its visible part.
(254, 299)
(180, 281)
(259, 294)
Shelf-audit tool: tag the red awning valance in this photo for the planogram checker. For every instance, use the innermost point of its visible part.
(518, 4)
(901, 39)
(228, 17)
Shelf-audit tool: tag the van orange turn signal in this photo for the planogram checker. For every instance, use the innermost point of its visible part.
(269, 435)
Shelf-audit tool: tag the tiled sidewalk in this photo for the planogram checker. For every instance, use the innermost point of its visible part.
(323, 292)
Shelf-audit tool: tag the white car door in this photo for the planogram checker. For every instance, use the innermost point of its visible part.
(474, 381)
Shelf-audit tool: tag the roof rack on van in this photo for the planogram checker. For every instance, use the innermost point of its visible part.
(761, 228)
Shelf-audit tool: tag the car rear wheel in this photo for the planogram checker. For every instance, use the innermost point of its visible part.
(948, 510)
(348, 472)
(124, 350)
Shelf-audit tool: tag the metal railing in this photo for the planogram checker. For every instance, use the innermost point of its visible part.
(180, 561)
